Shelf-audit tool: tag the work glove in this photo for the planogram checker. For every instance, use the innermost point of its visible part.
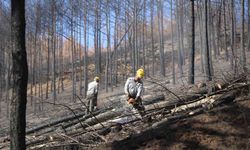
(131, 101)
(137, 98)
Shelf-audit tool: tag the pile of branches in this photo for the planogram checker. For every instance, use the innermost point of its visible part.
(83, 130)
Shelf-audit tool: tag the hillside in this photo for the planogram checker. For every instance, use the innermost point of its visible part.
(224, 127)
(192, 57)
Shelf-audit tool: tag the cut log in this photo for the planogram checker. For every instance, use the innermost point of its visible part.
(225, 98)
(112, 114)
(152, 99)
(60, 120)
(97, 119)
(54, 122)
(206, 101)
(169, 104)
(73, 122)
(94, 126)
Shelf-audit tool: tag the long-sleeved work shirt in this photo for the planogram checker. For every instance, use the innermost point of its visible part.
(133, 88)
(93, 88)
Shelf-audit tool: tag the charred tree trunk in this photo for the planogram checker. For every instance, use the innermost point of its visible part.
(192, 50)
(172, 40)
(20, 76)
(161, 43)
(243, 53)
(207, 53)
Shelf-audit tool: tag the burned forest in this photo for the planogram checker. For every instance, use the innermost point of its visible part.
(124, 74)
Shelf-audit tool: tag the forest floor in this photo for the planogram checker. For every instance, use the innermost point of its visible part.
(225, 127)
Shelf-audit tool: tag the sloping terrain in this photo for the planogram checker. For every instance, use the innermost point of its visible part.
(186, 117)
(226, 127)
(213, 118)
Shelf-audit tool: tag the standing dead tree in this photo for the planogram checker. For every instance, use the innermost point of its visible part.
(20, 76)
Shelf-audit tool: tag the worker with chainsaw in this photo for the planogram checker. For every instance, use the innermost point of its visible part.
(92, 93)
(134, 90)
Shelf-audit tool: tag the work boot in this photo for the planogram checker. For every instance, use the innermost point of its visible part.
(104, 131)
(116, 128)
(147, 119)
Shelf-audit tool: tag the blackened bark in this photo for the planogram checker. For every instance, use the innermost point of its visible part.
(172, 40)
(207, 54)
(243, 53)
(20, 76)
(192, 50)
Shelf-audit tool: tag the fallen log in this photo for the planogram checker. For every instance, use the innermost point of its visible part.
(225, 98)
(54, 122)
(95, 120)
(196, 107)
(158, 126)
(111, 114)
(71, 123)
(152, 99)
(163, 104)
(206, 101)
(169, 104)
(221, 99)
(108, 116)
(61, 120)
(67, 123)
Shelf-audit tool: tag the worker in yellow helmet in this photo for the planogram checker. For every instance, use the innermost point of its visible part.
(134, 89)
(92, 93)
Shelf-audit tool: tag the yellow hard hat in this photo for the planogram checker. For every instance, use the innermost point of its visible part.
(140, 73)
(96, 78)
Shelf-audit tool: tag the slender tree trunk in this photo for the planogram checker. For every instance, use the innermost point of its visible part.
(61, 58)
(126, 43)
(115, 79)
(20, 76)
(31, 66)
(181, 21)
(143, 34)
(172, 41)
(85, 51)
(160, 29)
(192, 50)
(243, 53)
(207, 54)
(225, 31)
(81, 59)
(248, 25)
(48, 64)
(7, 87)
(136, 49)
(73, 58)
(200, 22)
(134, 53)
(218, 25)
(233, 57)
(97, 38)
(53, 42)
(36, 54)
(152, 35)
(213, 30)
(210, 41)
(180, 57)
